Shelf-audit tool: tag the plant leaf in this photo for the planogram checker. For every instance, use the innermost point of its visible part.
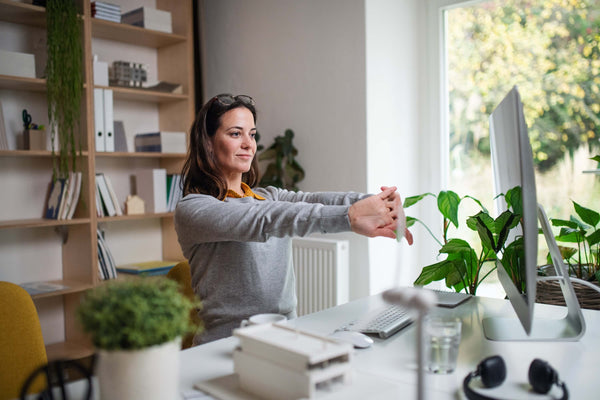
(433, 272)
(409, 201)
(514, 199)
(448, 202)
(483, 225)
(588, 216)
(593, 238)
(563, 222)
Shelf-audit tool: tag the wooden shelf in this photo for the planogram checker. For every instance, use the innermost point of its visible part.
(119, 154)
(41, 223)
(72, 287)
(31, 153)
(135, 217)
(21, 13)
(69, 350)
(135, 35)
(77, 256)
(21, 83)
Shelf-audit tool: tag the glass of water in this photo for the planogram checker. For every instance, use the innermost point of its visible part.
(442, 340)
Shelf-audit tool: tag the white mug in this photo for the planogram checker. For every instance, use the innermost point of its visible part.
(259, 319)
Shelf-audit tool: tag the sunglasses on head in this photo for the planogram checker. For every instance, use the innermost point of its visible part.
(228, 99)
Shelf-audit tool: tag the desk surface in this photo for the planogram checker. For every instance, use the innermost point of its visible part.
(393, 361)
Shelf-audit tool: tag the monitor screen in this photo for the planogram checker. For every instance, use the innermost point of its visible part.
(512, 166)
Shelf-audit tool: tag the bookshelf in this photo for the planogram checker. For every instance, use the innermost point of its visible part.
(68, 248)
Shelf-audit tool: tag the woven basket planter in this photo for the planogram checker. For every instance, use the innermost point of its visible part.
(549, 292)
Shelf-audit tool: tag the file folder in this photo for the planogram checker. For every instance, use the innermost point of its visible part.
(99, 119)
(109, 129)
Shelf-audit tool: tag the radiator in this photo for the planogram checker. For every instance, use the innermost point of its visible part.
(321, 268)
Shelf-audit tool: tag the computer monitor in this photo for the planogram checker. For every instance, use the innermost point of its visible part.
(512, 165)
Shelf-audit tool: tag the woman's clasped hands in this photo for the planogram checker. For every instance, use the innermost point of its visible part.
(379, 215)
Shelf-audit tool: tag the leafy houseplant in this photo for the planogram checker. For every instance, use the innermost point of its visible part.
(130, 315)
(583, 231)
(463, 267)
(64, 81)
(137, 327)
(283, 170)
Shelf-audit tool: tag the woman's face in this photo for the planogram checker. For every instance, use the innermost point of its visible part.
(234, 143)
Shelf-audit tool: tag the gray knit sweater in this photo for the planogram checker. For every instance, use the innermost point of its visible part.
(239, 250)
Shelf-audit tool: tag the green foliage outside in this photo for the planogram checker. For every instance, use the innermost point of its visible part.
(550, 49)
(466, 265)
(135, 314)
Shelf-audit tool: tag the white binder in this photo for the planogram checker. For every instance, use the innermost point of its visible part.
(109, 129)
(99, 119)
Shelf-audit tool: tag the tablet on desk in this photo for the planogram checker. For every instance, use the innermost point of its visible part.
(451, 299)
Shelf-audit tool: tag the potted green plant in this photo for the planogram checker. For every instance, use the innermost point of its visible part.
(462, 269)
(283, 170)
(64, 82)
(579, 245)
(136, 326)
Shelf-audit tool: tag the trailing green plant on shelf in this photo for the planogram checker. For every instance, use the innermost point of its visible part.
(463, 267)
(135, 314)
(64, 81)
(283, 170)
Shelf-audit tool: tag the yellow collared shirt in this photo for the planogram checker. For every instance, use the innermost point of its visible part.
(247, 193)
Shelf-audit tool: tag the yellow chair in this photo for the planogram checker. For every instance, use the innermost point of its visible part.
(181, 273)
(22, 348)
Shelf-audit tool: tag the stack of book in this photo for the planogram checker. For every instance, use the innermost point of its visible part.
(174, 191)
(147, 268)
(149, 18)
(106, 11)
(106, 263)
(63, 197)
(161, 142)
(160, 191)
(107, 203)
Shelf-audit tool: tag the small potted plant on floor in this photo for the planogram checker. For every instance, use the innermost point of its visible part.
(136, 326)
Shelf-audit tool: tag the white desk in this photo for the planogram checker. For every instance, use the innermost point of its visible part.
(393, 360)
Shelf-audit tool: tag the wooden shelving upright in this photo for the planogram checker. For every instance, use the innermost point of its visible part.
(174, 54)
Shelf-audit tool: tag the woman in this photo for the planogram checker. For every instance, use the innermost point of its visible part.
(237, 239)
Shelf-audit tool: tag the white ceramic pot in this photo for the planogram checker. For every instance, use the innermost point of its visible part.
(147, 374)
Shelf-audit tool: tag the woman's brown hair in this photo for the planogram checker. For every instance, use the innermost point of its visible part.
(200, 171)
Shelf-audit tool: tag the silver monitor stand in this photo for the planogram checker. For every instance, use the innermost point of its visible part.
(569, 328)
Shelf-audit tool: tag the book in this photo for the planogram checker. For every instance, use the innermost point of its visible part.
(105, 195)
(113, 195)
(76, 194)
(162, 142)
(42, 287)
(67, 198)
(160, 267)
(149, 18)
(106, 262)
(120, 139)
(3, 137)
(151, 186)
(55, 195)
(161, 86)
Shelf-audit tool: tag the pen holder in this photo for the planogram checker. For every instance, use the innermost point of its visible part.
(34, 139)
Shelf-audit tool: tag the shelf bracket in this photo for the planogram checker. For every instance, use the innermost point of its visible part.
(63, 232)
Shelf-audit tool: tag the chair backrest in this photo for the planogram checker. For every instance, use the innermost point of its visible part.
(22, 348)
(181, 273)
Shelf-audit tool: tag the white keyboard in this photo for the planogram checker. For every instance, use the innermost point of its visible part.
(384, 321)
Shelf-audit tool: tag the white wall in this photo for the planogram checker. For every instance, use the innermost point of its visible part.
(304, 64)
(350, 77)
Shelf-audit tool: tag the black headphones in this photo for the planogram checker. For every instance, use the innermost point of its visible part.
(492, 372)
